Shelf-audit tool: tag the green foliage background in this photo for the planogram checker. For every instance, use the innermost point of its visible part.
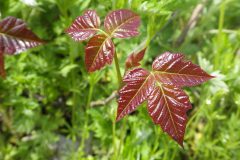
(44, 101)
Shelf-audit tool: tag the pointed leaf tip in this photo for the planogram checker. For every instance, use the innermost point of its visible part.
(138, 86)
(134, 59)
(85, 26)
(99, 52)
(171, 68)
(15, 37)
(167, 102)
(167, 106)
(122, 23)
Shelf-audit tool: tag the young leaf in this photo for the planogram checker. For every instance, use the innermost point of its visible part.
(139, 84)
(122, 23)
(99, 52)
(15, 37)
(84, 26)
(167, 102)
(100, 49)
(172, 69)
(167, 105)
(134, 59)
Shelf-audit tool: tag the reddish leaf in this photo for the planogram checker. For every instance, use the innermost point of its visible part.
(99, 52)
(122, 23)
(138, 87)
(84, 26)
(167, 105)
(134, 59)
(15, 37)
(167, 102)
(172, 69)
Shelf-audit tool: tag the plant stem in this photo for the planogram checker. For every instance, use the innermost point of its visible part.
(219, 36)
(102, 31)
(166, 150)
(86, 109)
(123, 128)
(90, 95)
(118, 70)
(75, 106)
(74, 94)
(221, 19)
(114, 135)
(85, 127)
(117, 148)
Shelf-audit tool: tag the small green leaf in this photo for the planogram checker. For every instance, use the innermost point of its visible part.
(67, 69)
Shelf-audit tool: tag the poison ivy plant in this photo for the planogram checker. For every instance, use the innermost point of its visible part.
(134, 59)
(15, 37)
(161, 87)
(100, 49)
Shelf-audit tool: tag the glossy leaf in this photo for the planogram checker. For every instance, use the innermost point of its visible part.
(99, 52)
(122, 23)
(84, 26)
(139, 84)
(15, 37)
(167, 102)
(167, 105)
(134, 59)
(172, 69)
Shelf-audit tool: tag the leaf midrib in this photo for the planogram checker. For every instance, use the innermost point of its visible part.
(98, 52)
(168, 108)
(135, 94)
(122, 24)
(15, 37)
(162, 72)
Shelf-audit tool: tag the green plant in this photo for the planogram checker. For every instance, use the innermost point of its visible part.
(15, 38)
(167, 103)
(44, 97)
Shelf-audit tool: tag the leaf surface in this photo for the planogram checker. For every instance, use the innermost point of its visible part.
(85, 26)
(15, 37)
(122, 23)
(173, 69)
(161, 87)
(138, 87)
(134, 59)
(167, 105)
(99, 52)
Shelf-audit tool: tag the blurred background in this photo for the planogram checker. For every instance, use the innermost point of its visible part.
(46, 110)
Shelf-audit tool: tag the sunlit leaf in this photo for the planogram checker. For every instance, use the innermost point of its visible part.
(134, 59)
(167, 105)
(84, 26)
(15, 37)
(139, 84)
(100, 49)
(167, 102)
(122, 23)
(99, 52)
(172, 69)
